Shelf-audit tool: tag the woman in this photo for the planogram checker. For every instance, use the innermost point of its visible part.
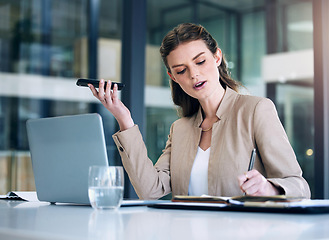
(209, 147)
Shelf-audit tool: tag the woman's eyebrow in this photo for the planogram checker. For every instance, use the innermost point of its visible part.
(179, 65)
(198, 55)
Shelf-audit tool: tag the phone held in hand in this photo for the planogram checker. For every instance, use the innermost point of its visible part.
(83, 82)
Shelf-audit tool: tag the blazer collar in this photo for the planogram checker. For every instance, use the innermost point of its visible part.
(224, 108)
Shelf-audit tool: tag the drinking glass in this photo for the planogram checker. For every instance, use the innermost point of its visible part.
(105, 186)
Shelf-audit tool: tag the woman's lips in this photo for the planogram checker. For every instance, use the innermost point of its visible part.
(199, 85)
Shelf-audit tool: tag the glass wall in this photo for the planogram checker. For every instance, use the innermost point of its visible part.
(37, 37)
(43, 49)
(294, 91)
(253, 49)
(297, 31)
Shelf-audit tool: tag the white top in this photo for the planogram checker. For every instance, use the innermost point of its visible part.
(199, 174)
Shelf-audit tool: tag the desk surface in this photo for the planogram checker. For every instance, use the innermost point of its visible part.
(32, 220)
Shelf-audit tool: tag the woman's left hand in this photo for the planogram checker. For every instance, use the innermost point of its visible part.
(255, 184)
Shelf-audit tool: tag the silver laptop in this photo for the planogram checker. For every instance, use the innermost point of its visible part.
(62, 149)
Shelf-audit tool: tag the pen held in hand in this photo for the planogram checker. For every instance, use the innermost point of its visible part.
(252, 159)
(251, 163)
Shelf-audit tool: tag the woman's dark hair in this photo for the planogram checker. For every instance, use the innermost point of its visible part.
(187, 32)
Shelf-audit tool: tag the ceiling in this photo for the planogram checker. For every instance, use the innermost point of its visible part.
(170, 12)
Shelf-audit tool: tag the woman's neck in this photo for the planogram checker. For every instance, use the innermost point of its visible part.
(211, 104)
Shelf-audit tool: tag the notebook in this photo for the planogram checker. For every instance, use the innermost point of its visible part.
(62, 149)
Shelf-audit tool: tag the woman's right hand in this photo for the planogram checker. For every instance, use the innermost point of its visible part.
(109, 98)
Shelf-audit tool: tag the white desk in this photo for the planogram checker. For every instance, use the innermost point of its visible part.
(28, 220)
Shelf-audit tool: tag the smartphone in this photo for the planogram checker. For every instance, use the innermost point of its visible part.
(83, 82)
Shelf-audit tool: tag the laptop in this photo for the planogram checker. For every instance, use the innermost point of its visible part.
(62, 149)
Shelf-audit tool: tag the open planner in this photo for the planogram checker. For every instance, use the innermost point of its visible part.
(274, 204)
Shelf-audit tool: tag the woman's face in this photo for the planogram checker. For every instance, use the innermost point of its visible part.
(195, 68)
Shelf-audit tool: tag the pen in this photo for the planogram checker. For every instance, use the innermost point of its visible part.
(251, 163)
(252, 159)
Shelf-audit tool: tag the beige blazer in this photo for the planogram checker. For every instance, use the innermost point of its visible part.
(246, 122)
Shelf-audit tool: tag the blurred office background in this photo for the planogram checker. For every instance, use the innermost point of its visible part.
(45, 45)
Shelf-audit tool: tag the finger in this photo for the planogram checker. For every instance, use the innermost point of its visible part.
(93, 90)
(252, 173)
(250, 187)
(258, 189)
(115, 92)
(101, 89)
(108, 90)
(246, 185)
(253, 190)
(255, 185)
(247, 175)
(251, 182)
(241, 179)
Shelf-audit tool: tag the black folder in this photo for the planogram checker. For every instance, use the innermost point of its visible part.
(305, 206)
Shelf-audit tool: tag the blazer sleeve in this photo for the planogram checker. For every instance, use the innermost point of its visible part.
(149, 182)
(280, 163)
